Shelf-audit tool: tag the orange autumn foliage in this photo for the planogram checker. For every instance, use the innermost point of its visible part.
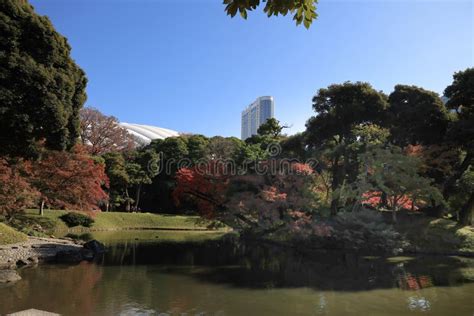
(70, 180)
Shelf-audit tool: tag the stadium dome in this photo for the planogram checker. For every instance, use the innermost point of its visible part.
(146, 133)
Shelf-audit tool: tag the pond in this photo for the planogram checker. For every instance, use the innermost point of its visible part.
(185, 273)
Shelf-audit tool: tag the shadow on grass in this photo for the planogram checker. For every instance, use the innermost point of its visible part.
(33, 225)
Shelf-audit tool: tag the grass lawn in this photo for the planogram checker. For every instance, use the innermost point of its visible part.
(10, 236)
(436, 235)
(122, 221)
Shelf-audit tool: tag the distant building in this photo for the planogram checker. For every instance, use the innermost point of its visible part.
(144, 134)
(255, 115)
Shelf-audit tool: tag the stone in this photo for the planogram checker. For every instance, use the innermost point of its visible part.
(33, 260)
(21, 262)
(48, 246)
(7, 276)
(69, 256)
(95, 246)
(87, 254)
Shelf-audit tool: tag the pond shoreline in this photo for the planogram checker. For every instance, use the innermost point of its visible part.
(92, 229)
(37, 250)
(33, 251)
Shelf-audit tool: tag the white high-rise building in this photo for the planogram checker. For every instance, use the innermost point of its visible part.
(256, 114)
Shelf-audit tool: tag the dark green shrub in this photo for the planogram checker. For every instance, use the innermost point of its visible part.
(366, 230)
(77, 219)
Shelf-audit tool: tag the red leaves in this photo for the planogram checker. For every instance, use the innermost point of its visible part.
(70, 180)
(374, 199)
(65, 180)
(266, 200)
(15, 192)
(272, 195)
(207, 187)
(302, 168)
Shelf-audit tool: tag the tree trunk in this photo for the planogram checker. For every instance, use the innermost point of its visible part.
(466, 213)
(335, 185)
(41, 208)
(137, 196)
(394, 209)
(448, 187)
(127, 203)
(383, 200)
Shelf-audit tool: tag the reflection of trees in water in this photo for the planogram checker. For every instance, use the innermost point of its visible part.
(43, 289)
(257, 265)
(134, 276)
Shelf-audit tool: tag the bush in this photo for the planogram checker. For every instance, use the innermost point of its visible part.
(73, 219)
(366, 230)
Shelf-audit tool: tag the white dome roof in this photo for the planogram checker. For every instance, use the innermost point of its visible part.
(146, 133)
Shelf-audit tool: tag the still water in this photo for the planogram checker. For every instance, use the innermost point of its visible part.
(167, 273)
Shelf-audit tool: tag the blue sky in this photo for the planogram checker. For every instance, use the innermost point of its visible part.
(185, 65)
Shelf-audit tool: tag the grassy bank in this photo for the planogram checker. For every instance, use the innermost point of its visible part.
(437, 236)
(109, 221)
(9, 235)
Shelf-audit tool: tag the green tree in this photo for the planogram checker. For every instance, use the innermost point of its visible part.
(304, 11)
(394, 174)
(416, 116)
(340, 109)
(141, 170)
(271, 127)
(223, 148)
(197, 145)
(41, 88)
(460, 96)
(172, 151)
(119, 179)
(294, 146)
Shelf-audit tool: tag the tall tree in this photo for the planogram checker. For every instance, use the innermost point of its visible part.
(416, 116)
(395, 175)
(70, 180)
(16, 193)
(41, 87)
(271, 127)
(119, 179)
(142, 169)
(460, 96)
(223, 148)
(101, 134)
(197, 145)
(340, 109)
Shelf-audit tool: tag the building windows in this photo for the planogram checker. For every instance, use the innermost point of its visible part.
(255, 115)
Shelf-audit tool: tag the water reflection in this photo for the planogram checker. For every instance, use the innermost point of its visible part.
(233, 277)
(255, 265)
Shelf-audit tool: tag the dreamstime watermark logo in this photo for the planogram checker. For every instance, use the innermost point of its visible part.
(271, 164)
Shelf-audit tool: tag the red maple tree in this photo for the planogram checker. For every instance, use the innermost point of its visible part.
(277, 199)
(16, 193)
(205, 185)
(70, 180)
